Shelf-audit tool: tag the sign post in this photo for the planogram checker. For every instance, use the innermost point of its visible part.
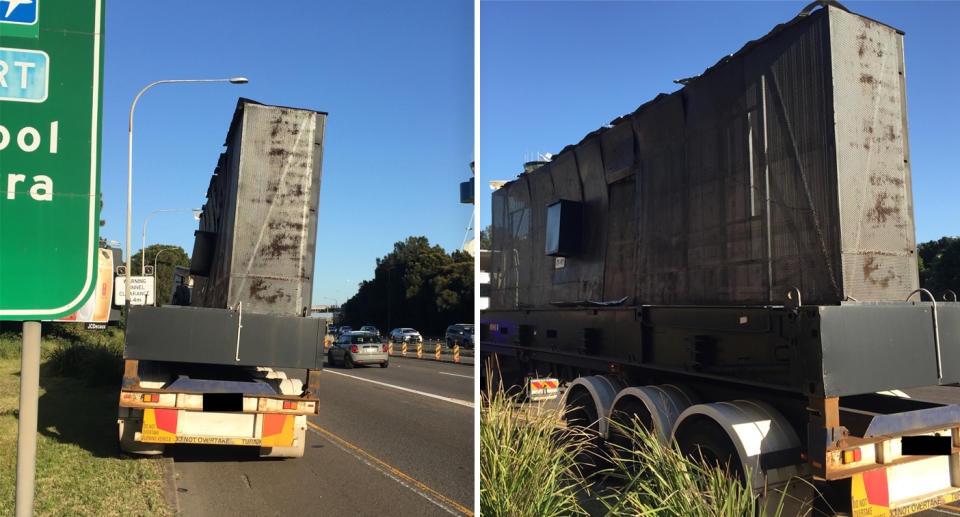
(50, 111)
(27, 424)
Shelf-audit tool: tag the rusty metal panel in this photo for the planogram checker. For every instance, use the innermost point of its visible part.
(617, 147)
(661, 204)
(782, 166)
(595, 218)
(262, 205)
(878, 239)
(221, 336)
(500, 245)
(541, 265)
(566, 185)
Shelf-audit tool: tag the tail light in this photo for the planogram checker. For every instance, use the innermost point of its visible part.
(384, 348)
(354, 349)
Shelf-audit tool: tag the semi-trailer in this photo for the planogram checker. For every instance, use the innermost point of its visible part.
(208, 371)
(734, 265)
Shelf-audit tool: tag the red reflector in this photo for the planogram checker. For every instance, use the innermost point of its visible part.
(353, 349)
(286, 404)
(852, 456)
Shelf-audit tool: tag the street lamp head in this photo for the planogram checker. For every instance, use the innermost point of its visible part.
(238, 80)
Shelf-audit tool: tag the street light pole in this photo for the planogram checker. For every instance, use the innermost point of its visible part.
(155, 257)
(233, 80)
(143, 235)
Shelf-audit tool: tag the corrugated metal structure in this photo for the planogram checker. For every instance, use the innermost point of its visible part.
(785, 165)
(258, 229)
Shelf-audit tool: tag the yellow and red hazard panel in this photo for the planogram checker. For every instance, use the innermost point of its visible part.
(277, 430)
(159, 426)
(541, 389)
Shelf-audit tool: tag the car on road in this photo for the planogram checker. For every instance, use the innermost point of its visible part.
(399, 335)
(356, 348)
(343, 329)
(371, 329)
(460, 334)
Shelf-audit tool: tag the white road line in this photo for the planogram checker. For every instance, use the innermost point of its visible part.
(456, 375)
(401, 388)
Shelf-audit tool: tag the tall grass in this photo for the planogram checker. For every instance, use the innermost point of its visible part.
(651, 479)
(527, 465)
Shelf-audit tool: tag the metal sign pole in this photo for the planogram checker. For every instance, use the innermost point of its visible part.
(27, 426)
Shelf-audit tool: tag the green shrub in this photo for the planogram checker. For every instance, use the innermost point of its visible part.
(527, 465)
(99, 364)
(10, 343)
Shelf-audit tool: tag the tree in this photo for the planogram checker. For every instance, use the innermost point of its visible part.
(170, 256)
(939, 265)
(415, 285)
(486, 238)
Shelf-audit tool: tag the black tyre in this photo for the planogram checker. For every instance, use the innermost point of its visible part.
(384, 364)
(703, 439)
(347, 361)
(330, 358)
(582, 413)
(624, 421)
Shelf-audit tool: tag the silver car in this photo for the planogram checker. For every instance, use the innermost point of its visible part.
(399, 335)
(357, 348)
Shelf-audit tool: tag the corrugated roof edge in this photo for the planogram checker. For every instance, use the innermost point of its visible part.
(743, 50)
(238, 113)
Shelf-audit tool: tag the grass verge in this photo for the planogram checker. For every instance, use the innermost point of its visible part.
(79, 468)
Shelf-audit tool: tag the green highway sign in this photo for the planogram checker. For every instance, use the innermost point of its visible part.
(51, 94)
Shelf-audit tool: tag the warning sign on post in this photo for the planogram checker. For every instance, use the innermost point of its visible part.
(141, 290)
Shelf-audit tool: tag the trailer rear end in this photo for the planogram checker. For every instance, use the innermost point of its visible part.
(209, 369)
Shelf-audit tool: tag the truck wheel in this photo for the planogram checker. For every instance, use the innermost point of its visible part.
(702, 438)
(624, 419)
(384, 364)
(347, 361)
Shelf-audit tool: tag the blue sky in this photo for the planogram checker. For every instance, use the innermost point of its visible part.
(551, 72)
(395, 77)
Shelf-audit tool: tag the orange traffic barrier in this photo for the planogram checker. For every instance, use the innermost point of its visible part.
(419, 350)
(438, 351)
(456, 353)
(390, 347)
(404, 350)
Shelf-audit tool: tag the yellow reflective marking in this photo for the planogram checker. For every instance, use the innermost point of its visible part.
(392, 470)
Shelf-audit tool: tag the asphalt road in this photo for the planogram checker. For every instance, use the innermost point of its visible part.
(942, 395)
(400, 445)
